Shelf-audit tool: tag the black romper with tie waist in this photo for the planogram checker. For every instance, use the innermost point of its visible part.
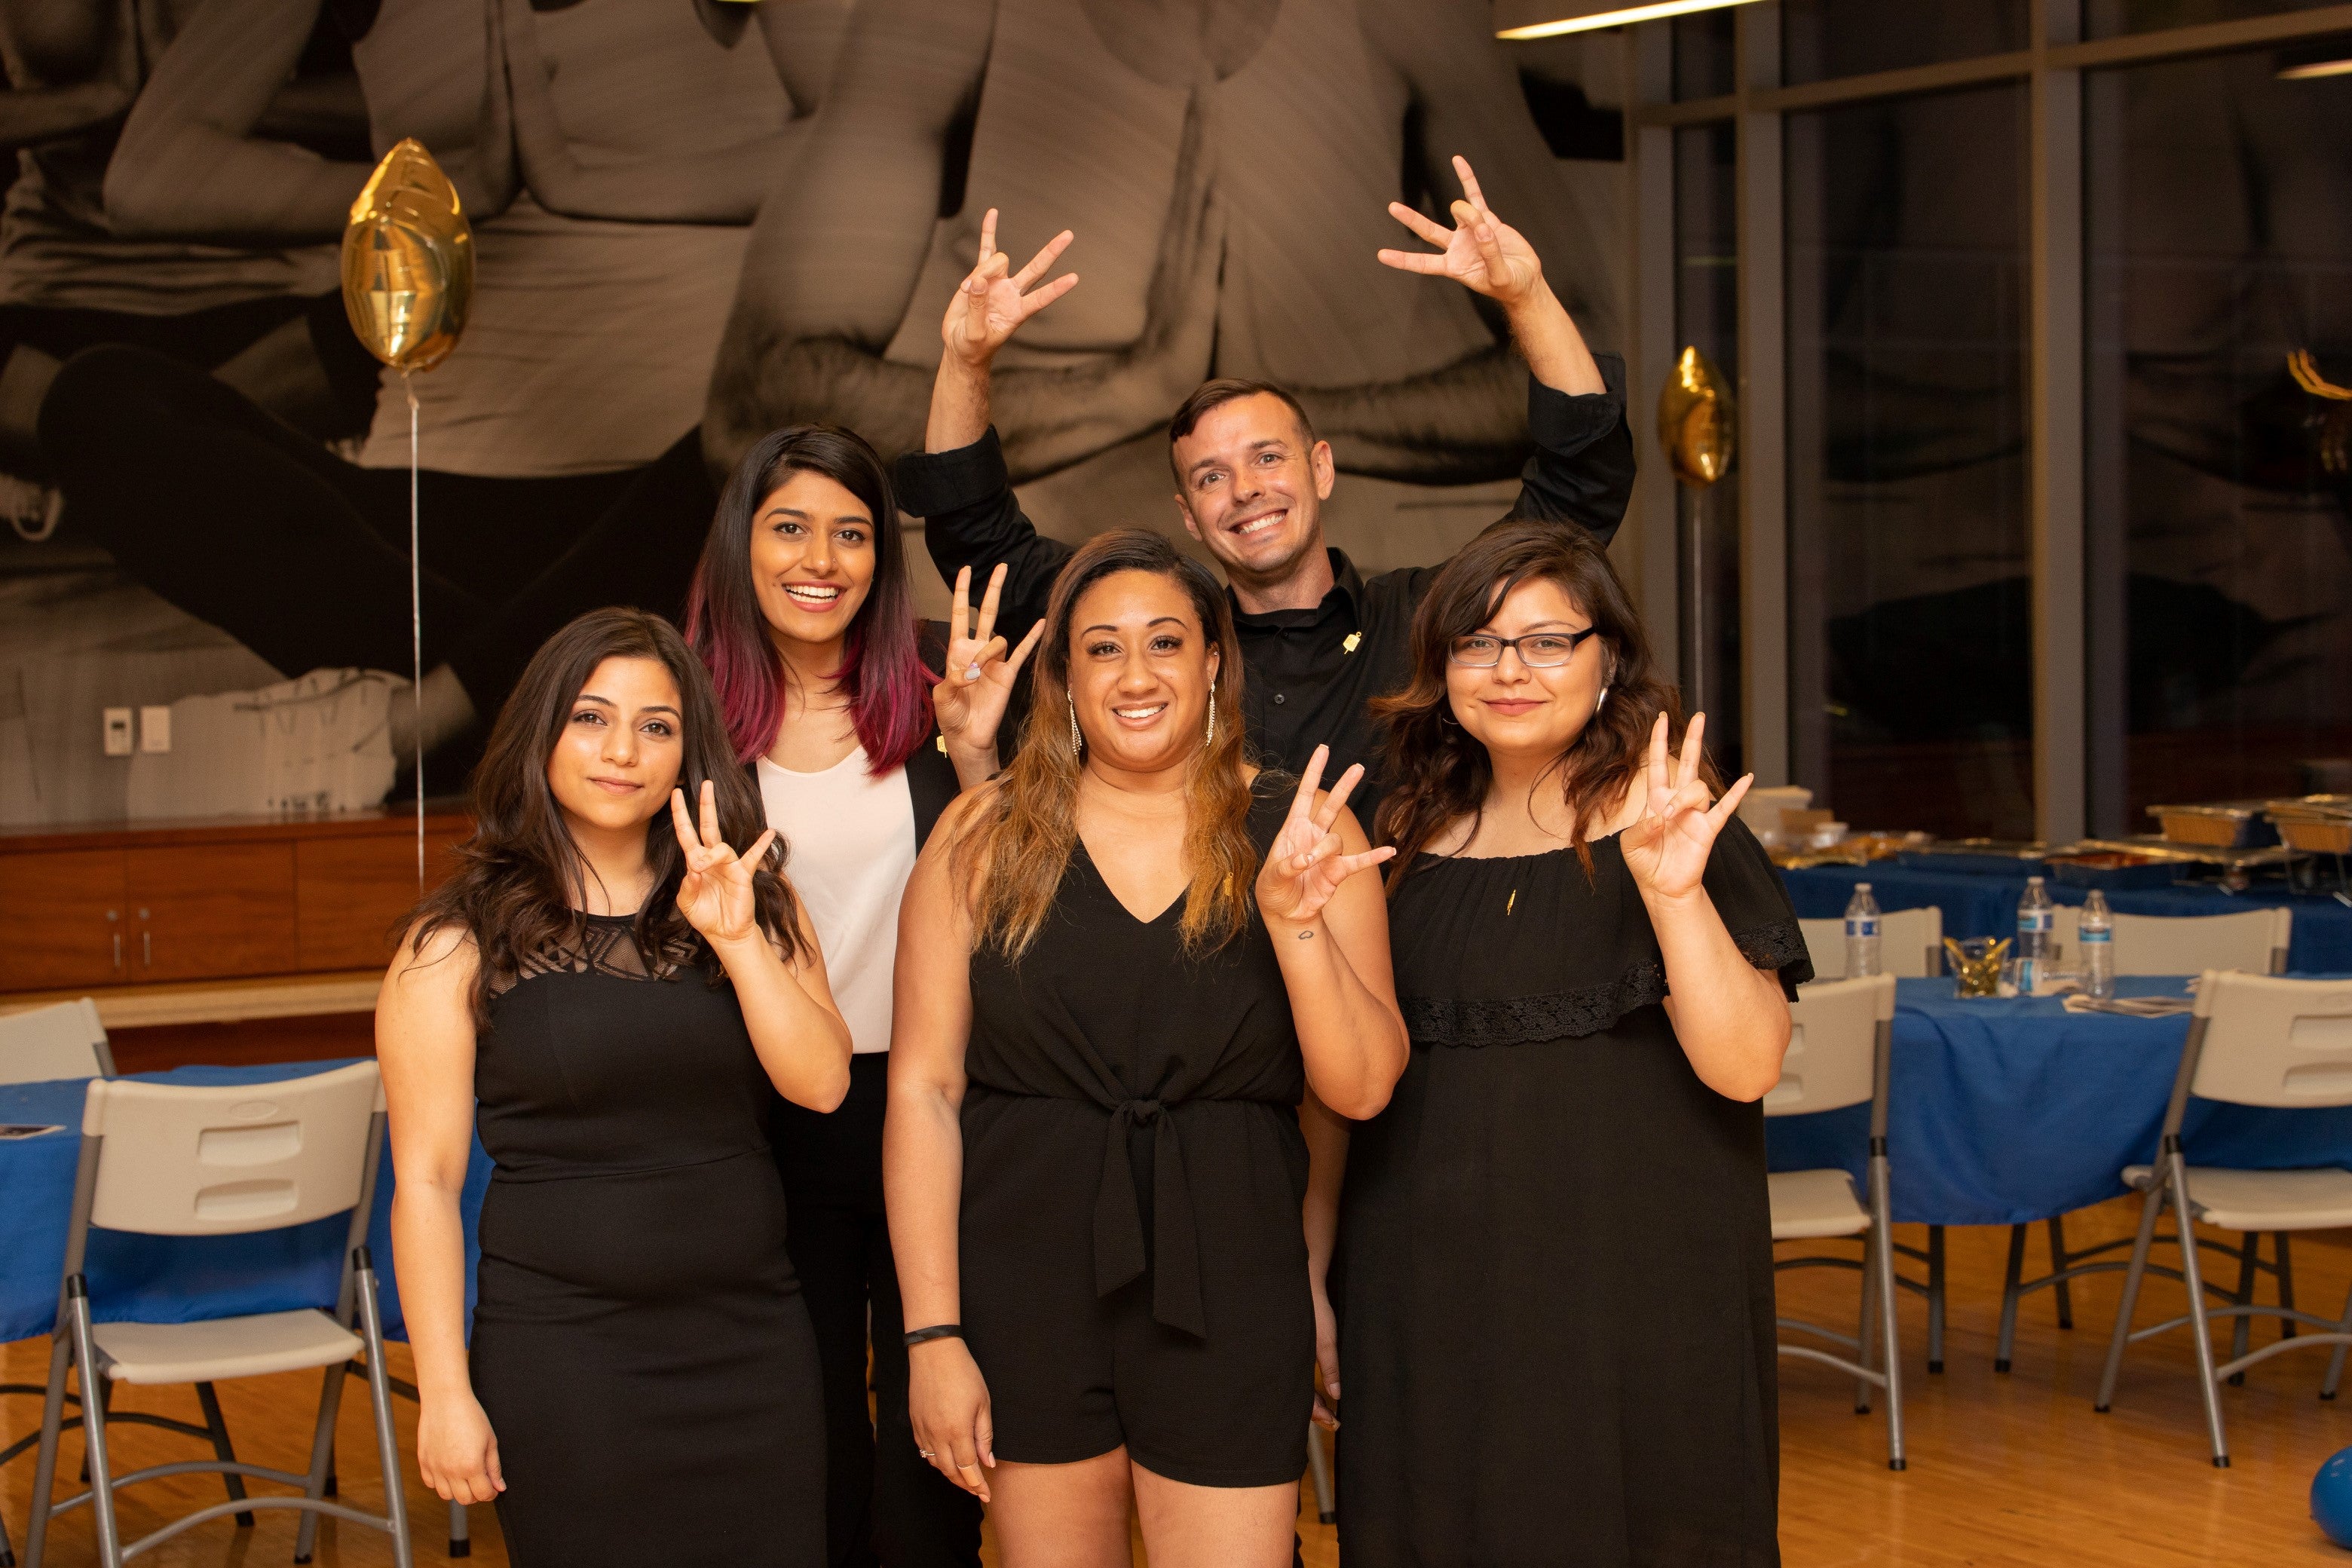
(1133, 1267)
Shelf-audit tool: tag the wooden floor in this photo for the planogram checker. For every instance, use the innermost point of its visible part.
(2014, 1469)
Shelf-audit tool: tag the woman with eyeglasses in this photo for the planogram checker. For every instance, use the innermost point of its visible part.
(1554, 1273)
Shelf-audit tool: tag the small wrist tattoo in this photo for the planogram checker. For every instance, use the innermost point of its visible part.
(1307, 936)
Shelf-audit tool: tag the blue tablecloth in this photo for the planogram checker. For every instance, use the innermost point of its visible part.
(1986, 905)
(174, 1278)
(2001, 1111)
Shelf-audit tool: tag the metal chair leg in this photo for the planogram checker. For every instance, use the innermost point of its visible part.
(44, 1464)
(2336, 1358)
(1864, 1332)
(2192, 1275)
(387, 1443)
(222, 1450)
(461, 1542)
(93, 1426)
(2058, 1266)
(2010, 1297)
(2286, 1284)
(2242, 1331)
(1318, 1468)
(2150, 1206)
(1936, 1299)
(322, 1458)
(1883, 1236)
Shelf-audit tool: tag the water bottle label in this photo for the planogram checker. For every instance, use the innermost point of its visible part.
(1861, 925)
(2035, 920)
(2089, 934)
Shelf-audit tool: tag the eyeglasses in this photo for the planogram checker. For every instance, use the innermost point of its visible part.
(1537, 650)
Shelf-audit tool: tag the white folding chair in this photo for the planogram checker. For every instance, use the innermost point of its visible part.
(43, 1045)
(182, 1160)
(2253, 1041)
(1838, 1056)
(63, 1040)
(2251, 941)
(1910, 944)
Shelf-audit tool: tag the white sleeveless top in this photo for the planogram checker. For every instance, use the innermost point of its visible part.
(852, 841)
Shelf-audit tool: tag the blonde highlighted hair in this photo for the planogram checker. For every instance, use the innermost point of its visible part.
(1015, 845)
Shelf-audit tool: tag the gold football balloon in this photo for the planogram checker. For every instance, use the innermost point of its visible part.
(408, 261)
(1695, 420)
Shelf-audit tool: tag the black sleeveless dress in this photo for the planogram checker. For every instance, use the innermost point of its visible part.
(1133, 1267)
(1554, 1274)
(640, 1344)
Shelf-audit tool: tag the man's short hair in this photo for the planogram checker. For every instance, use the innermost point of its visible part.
(1216, 393)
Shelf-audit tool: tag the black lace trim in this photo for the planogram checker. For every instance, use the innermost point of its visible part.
(607, 948)
(1572, 1014)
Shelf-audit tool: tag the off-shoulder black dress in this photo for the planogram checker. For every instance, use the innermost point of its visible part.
(1554, 1275)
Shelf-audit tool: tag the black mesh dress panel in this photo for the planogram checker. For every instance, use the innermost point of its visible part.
(639, 1343)
(1554, 1275)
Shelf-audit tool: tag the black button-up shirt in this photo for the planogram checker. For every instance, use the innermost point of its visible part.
(1309, 676)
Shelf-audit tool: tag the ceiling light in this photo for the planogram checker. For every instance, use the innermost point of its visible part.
(1550, 18)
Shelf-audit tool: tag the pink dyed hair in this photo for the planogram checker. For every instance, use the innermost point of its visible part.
(882, 670)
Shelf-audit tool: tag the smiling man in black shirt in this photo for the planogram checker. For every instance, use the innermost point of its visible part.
(1319, 640)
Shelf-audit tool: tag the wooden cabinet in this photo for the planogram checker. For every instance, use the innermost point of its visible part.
(62, 920)
(350, 895)
(85, 909)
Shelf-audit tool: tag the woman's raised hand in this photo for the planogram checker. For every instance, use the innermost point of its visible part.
(993, 301)
(716, 895)
(971, 696)
(1481, 252)
(1666, 850)
(1305, 866)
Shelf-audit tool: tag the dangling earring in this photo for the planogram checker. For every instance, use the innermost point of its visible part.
(1598, 701)
(1077, 741)
(1211, 738)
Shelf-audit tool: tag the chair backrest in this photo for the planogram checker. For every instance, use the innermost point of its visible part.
(190, 1160)
(1910, 944)
(2267, 1041)
(2253, 941)
(1832, 1045)
(61, 1041)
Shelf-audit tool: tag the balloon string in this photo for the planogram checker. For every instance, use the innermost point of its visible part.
(415, 628)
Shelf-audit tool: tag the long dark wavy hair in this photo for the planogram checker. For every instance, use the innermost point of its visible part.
(882, 671)
(1016, 843)
(520, 888)
(1437, 772)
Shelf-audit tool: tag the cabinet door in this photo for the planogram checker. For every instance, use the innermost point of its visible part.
(204, 912)
(62, 920)
(349, 893)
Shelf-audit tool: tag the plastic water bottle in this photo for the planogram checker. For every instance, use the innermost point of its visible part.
(2036, 915)
(2097, 935)
(1861, 933)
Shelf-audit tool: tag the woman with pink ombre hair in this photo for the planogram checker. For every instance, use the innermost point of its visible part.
(802, 610)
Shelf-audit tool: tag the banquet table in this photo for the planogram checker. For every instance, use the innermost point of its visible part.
(174, 1278)
(1985, 904)
(2006, 1110)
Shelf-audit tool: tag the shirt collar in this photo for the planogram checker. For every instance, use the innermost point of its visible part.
(1347, 589)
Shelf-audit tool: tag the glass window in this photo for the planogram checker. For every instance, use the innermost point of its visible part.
(1910, 631)
(1703, 55)
(1824, 38)
(2107, 18)
(1707, 317)
(2218, 234)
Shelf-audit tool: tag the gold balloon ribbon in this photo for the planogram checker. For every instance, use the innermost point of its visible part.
(1695, 420)
(408, 261)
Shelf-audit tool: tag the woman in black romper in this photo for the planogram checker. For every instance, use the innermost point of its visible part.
(1554, 1280)
(615, 990)
(1093, 1159)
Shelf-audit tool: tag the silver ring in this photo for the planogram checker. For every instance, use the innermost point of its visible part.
(924, 1452)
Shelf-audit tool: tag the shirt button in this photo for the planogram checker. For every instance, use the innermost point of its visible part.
(1277, 699)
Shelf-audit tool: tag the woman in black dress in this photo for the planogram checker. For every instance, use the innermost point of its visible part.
(1554, 1272)
(607, 990)
(1093, 1157)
